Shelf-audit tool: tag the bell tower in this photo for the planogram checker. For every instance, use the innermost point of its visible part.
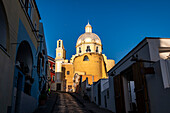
(59, 59)
(60, 51)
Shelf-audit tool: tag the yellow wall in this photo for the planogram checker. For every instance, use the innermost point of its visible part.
(109, 64)
(69, 78)
(94, 67)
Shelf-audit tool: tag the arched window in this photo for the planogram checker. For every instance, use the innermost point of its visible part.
(25, 58)
(3, 27)
(88, 49)
(97, 49)
(79, 49)
(68, 72)
(86, 58)
(59, 44)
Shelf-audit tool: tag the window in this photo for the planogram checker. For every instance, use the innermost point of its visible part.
(53, 78)
(79, 49)
(3, 27)
(70, 88)
(59, 44)
(53, 67)
(107, 94)
(86, 58)
(88, 49)
(97, 49)
(38, 63)
(46, 67)
(165, 70)
(28, 6)
(164, 54)
(43, 62)
(30, 9)
(68, 72)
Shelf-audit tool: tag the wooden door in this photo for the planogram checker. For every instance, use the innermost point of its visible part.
(119, 96)
(140, 87)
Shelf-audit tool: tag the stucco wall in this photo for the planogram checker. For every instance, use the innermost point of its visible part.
(15, 14)
(6, 81)
(104, 103)
(28, 103)
(159, 96)
(111, 101)
(95, 89)
(69, 78)
(109, 64)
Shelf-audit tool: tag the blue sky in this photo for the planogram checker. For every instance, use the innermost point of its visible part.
(120, 24)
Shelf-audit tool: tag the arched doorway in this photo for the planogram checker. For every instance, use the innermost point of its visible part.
(24, 81)
(24, 58)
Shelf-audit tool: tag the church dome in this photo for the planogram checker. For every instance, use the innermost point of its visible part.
(88, 36)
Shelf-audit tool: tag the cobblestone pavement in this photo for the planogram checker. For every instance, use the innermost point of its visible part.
(67, 104)
(91, 107)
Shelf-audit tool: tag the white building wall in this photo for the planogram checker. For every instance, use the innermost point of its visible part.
(104, 84)
(95, 89)
(104, 99)
(158, 95)
(149, 49)
(111, 99)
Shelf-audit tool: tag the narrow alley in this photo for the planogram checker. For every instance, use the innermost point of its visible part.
(92, 56)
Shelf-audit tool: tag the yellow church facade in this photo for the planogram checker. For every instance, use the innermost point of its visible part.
(88, 62)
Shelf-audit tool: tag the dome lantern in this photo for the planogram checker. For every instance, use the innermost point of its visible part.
(88, 28)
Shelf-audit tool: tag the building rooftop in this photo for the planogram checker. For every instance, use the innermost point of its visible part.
(146, 38)
(51, 58)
